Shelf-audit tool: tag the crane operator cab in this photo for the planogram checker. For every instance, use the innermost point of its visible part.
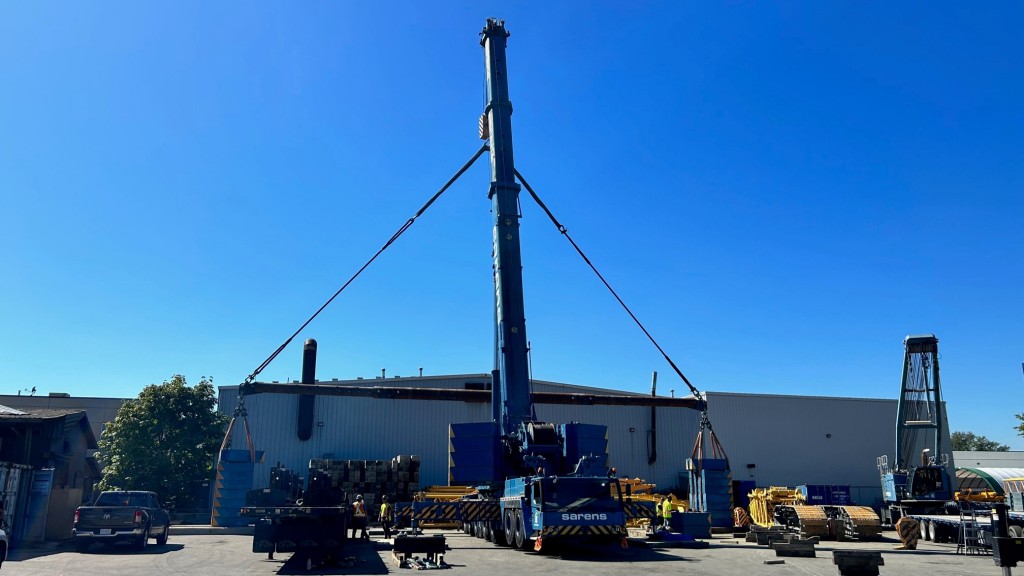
(930, 481)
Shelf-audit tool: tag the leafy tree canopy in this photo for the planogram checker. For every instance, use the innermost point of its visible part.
(971, 441)
(164, 441)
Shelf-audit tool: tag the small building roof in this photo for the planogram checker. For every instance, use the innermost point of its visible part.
(35, 415)
(41, 415)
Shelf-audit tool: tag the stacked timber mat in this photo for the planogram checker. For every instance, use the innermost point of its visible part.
(398, 478)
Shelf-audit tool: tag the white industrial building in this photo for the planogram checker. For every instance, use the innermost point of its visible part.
(771, 440)
(978, 459)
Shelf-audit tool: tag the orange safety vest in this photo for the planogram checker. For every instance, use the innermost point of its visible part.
(358, 509)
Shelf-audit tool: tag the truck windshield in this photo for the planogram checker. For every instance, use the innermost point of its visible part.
(121, 499)
(578, 494)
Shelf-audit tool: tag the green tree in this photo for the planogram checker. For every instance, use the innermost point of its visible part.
(971, 441)
(164, 441)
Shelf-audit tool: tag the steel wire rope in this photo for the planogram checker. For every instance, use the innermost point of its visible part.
(386, 245)
(565, 232)
(705, 422)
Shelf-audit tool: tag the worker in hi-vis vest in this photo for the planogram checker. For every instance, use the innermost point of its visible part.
(666, 512)
(359, 518)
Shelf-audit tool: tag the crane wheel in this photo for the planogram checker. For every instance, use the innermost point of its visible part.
(521, 540)
(509, 525)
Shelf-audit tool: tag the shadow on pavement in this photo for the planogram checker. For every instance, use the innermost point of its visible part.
(356, 558)
(128, 549)
(27, 553)
(587, 553)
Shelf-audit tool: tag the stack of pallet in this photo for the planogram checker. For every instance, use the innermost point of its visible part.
(398, 478)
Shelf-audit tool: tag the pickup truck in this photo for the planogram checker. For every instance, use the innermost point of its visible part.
(121, 516)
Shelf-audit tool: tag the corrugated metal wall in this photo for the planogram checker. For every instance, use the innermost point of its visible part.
(628, 437)
(789, 440)
(792, 440)
(349, 428)
(352, 428)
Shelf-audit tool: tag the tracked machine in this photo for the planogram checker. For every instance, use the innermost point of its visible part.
(924, 488)
(835, 519)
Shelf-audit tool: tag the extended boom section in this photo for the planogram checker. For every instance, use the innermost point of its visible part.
(546, 480)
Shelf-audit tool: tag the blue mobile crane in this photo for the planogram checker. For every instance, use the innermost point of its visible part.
(541, 480)
(536, 481)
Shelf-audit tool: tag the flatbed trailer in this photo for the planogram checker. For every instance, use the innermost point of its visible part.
(316, 534)
(948, 527)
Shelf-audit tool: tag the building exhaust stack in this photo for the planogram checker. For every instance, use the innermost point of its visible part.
(307, 402)
(652, 447)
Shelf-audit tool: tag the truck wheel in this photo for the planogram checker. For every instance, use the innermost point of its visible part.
(509, 526)
(162, 538)
(141, 544)
(517, 519)
(927, 532)
(522, 540)
(1015, 531)
(933, 531)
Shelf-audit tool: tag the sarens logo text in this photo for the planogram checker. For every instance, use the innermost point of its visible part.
(570, 516)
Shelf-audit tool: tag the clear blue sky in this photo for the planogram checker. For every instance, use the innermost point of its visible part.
(780, 191)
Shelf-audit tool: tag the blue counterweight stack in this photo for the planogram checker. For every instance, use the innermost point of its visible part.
(474, 453)
(583, 440)
(711, 489)
(234, 480)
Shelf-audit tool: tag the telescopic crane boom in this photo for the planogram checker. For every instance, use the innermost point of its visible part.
(511, 373)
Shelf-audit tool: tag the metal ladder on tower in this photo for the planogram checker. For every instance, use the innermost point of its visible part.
(969, 541)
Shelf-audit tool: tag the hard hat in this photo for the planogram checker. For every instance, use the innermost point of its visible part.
(359, 497)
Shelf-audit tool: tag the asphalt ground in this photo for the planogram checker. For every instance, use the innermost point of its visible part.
(227, 554)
